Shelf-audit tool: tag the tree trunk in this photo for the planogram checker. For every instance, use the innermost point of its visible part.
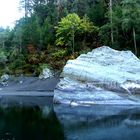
(58, 9)
(3, 44)
(135, 43)
(20, 40)
(73, 42)
(111, 21)
(26, 9)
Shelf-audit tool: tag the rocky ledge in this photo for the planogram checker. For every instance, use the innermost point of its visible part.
(103, 76)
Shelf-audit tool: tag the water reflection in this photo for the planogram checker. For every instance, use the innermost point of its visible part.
(29, 122)
(100, 122)
(35, 118)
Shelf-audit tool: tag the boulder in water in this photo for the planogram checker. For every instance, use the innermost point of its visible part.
(102, 76)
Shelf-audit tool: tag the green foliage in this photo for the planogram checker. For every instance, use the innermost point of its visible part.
(54, 31)
(33, 58)
(68, 26)
(124, 22)
(59, 54)
(72, 26)
(105, 34)
(130, 14)
(16, 63)
(3, 60)
(3, 57)
(87, 27)
(4, 34)
(43, 66)
(39, 68)
(47, 32)
(96, 12)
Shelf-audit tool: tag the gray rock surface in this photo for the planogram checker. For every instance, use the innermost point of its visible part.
(103, 76)
(4, 79)
(46, 73)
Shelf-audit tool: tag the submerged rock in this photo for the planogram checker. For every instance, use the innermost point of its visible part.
(103, 76)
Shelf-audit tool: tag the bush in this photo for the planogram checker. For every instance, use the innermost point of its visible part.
(3, 57)
(59, 54)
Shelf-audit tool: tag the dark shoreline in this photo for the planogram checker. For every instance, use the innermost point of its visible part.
(28, 91)
(28, 85)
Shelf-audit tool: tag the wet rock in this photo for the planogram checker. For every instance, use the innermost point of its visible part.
(4, 79)
(103, 76)
(46, 73)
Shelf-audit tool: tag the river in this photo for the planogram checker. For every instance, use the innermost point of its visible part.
(36, 118)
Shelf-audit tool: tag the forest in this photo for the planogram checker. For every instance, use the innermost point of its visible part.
(53, 31)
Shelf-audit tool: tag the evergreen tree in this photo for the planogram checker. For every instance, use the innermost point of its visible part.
(130, 18)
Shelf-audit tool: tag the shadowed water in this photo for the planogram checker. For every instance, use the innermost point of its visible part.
(35, 118)
(22, 119)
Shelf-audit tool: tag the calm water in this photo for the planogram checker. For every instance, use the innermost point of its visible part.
(35, 118)
(29, 118)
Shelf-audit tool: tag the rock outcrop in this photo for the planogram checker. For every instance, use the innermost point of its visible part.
(103, 76)
(46, 73)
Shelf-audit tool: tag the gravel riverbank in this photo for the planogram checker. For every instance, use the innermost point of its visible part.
(29, 86)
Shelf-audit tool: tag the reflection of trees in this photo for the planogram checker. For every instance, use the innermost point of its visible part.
(28, 123)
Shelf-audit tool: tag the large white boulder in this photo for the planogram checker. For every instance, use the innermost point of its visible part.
(103, 76)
